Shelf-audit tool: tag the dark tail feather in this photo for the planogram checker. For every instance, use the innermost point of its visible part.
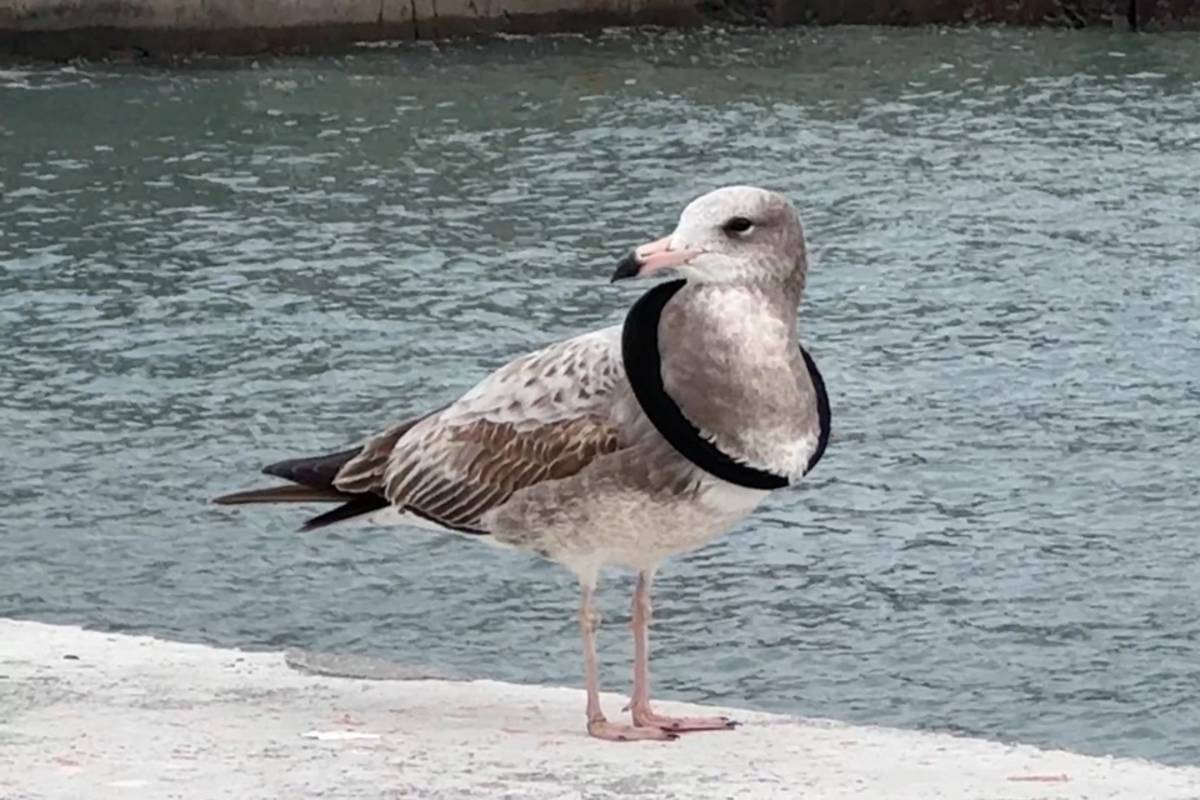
(313, 478)
(280, 494)
(312, 482)
(317, 472)
(361, 504)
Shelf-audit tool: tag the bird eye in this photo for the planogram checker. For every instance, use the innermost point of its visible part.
(738, 225)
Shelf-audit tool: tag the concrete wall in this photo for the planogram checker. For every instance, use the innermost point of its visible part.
(1142, 14)
(98, 28)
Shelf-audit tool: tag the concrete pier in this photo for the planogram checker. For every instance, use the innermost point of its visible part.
(67, 28)
(62, 29)
(87, 714)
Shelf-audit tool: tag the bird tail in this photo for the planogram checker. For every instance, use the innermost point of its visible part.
(312, 479)
(311, 482)
(279, 494)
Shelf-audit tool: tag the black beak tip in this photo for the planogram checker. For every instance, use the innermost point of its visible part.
(627, 267)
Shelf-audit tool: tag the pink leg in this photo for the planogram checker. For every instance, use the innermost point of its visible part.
(639, 704)
(597, 725)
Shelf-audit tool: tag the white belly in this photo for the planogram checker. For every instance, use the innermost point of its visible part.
(586, 532)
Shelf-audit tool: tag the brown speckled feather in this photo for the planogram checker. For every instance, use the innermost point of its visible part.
(364, 473)
(542, 417)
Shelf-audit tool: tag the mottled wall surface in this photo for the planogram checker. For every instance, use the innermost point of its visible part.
(140, 28)
(65, 28)
(1069, 13)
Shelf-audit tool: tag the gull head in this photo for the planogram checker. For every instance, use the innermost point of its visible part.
(732, 235)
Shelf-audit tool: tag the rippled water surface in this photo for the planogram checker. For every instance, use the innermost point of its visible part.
(208, 268)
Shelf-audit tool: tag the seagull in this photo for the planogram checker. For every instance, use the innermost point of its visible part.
(622, 446)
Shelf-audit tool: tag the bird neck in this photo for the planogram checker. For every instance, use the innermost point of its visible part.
(730, 358)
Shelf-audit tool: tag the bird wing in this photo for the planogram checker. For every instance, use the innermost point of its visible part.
(542, 417)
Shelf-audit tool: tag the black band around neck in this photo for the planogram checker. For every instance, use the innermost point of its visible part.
(643, 366)
(818, 383)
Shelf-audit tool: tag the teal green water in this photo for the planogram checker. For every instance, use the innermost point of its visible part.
(209, 268)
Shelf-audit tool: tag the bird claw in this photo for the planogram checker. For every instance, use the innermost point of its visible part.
(617, 732)
(648, 718)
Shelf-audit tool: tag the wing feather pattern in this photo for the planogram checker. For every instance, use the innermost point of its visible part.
(542, 417)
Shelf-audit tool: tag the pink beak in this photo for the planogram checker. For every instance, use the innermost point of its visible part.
(652, 257)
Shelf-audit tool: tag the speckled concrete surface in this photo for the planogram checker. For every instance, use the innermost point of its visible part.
(86, 714)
